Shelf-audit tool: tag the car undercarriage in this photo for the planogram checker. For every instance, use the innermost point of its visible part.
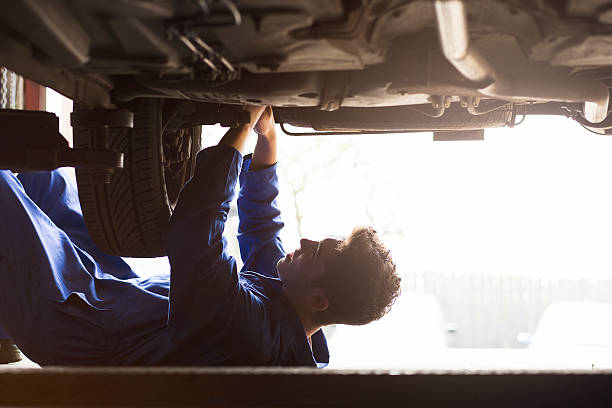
(312, 56)
(331, 65)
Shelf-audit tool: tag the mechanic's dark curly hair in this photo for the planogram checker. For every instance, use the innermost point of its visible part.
(360, 280)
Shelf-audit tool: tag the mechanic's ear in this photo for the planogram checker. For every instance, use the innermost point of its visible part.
(320, 302)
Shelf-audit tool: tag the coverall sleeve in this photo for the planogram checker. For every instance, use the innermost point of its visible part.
(260, 222)
(207, 301)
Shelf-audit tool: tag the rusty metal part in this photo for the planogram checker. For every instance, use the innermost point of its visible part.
(333, 91)
(540, 84)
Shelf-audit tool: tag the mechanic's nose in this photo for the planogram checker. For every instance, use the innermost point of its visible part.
(306, 244)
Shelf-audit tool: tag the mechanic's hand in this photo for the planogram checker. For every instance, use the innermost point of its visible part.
(264, 154)
(255, 111)
(265, 124)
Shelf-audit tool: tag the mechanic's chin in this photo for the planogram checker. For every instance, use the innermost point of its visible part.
(280, 266)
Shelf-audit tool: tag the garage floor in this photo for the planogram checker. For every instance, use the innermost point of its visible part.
(259, 387)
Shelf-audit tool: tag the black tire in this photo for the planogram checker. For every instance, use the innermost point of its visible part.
(128, 216)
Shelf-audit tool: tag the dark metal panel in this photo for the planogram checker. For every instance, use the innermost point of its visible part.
(18, 56)
(50, 27)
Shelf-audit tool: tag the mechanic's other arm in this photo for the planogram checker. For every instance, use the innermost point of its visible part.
(260, 219)
(204, 288)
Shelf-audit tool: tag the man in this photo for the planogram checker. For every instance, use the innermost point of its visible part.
(66, 303)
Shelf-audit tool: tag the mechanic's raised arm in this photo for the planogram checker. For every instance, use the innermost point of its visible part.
(260, 222)
(204, 279)
(265, 150)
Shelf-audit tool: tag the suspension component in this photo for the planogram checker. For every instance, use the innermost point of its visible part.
(98, 121)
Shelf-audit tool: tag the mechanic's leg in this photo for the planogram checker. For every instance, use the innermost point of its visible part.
(39, 269)
(55, 193)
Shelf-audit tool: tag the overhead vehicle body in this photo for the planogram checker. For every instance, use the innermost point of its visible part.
(330, 65)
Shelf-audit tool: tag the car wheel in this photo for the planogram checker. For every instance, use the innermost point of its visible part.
(128, 216)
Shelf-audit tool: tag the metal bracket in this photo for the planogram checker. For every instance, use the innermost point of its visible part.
(458, 135)
(221, 69)
(343, 132)
(333, 91)
(98, 121)
(32, 142)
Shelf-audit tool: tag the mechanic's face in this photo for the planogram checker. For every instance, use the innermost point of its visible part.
(299, 268)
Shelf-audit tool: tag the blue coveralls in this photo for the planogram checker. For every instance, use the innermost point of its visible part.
(64, 302)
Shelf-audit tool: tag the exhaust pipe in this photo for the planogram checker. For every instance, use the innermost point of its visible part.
(455, 41)
(543, 86)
